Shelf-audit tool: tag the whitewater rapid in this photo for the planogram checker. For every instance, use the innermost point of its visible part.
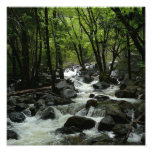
(35, 131)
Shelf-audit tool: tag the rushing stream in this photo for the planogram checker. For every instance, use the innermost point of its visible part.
(35, 131)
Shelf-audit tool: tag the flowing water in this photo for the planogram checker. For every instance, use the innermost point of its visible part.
(35, 131)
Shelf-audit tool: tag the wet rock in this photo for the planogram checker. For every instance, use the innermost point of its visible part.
(91, 95)
(68, 130)
(121, 129)
(27, 112)
(48, 113)
(143, 139)
(33, 110)
(12, 100)
(142, 96)
(9, 124)
(11, 135)
(55, 100)
(101, 85)
(27, 99)
(20, 106)
(116, 114)
(101, 97)
(39, 103)
(125, 94)
(100, 140)
(69, 93)
(16, 117)
(88, 79)
(107, 123)
(63, 84)
(123, 86)
(74, 140)
(92, 103)
(80, 122)
(140, 109)
(124, 105)
(10, 109)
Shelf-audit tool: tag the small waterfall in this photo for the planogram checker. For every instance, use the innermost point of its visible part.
(91, 111)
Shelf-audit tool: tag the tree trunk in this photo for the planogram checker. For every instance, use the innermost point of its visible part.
(49, 63)
(129, 60)
(132, 32)
(57, 46)
(25, 53)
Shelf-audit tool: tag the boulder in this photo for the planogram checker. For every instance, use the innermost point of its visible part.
(91, 95)
(33, 110)
(125, 94)
(68, 130)
(123, 86)
(101, 85)
(100, 140)
(63, 84)
(16, 117)
(55, 100)
(92, 103)
(11, 135)
(69, 93)
(143, 139)
(124, 105)
(87, 78)
(20, 107)
(39, 103)
(121, 129)
(48, 113)
(107, 123)
(101, 98)
(27, 112)
(139, 109)
(80, 122)
(116, 114)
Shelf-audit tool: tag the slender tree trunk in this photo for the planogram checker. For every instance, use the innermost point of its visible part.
(49, 63)
(103, 56)
(25, 54)
(112, 64)
(143, 13)
(14, 64)
(57, 46)
(129, 59)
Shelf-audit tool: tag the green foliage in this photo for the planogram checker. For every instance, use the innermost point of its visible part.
(107, 23)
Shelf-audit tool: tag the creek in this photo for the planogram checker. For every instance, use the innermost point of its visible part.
(35, 131)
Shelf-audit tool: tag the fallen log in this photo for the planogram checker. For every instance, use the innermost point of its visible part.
(131, 125)
(28, 91)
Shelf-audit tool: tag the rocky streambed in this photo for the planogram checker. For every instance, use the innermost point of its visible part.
(85, 112)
